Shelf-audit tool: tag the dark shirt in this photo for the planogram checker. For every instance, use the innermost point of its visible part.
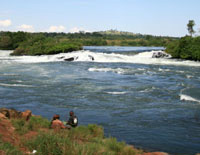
(71, 121)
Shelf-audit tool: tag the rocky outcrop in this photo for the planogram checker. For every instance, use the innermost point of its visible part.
(160, 55)
(12, 113)
(7, 130)
(70, 59)
(2, 116)
(26, 115)
(88, 57)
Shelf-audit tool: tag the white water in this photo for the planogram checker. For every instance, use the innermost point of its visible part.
(116, 93)
(141, 58)
(117, 70)
(14, 85)
(188, 98)
(157, 101)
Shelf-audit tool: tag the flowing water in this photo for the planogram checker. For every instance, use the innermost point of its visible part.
(152, 103)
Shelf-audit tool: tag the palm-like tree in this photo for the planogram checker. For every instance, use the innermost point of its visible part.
(190, 26)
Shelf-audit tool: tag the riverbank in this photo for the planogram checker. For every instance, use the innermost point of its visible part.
(24, 133)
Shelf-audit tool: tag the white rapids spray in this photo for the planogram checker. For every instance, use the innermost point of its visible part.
(188, 98)
(88, 56)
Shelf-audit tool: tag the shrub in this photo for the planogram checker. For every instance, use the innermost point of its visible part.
(41, 45)
(186, 48)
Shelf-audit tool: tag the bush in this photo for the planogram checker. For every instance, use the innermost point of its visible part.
(186, 48)
(41, 45)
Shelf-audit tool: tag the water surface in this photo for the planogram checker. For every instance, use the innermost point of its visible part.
(150, 103)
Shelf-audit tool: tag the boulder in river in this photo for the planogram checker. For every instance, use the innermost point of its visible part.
(160, 55)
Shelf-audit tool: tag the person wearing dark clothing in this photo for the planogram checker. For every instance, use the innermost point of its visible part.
(73, 120)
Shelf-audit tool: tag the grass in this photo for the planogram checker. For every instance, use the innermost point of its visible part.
(82, 140)
(8, 149)
(35, 123)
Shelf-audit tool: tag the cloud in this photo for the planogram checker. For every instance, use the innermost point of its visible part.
(76, 29)
(59, 28)
(24, 27)
(5, 23)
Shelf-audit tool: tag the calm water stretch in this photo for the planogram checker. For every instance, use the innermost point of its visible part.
(151, 103)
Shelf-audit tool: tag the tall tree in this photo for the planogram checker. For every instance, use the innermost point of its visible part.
(190, 26)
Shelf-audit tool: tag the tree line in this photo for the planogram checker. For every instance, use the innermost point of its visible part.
(25, 43)
(187, 47)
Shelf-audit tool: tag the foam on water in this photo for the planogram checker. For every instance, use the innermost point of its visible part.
(184, 97)
(14, 85)
(5, 53)
(117, 70)
(88, 56)
(116, 93)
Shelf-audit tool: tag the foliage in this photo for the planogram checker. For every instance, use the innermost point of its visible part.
(52, 43)
(190, 26)
(35, 123)
(41, 45)
(8, 149)
(186, 48)
(11, 40)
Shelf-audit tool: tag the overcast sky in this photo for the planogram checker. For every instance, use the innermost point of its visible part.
(156, 17)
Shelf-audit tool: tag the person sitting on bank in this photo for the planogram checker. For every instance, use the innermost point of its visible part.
(56, 123)
(73, 120)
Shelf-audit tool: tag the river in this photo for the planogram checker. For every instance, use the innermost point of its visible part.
(152, 103)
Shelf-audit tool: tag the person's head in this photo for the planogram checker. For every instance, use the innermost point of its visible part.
(56, 117)
(71, 113)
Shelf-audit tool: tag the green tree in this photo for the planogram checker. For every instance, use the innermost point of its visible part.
(190, 26)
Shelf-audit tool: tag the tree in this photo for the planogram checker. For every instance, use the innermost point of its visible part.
(190, 26)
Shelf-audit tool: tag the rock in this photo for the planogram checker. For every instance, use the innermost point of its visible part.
(26, 115)
(61, 57)
(8, 131)
(71, 59)
(91, 57)
(160, 55)
(12, 113)
(2, 116)
(5, 112)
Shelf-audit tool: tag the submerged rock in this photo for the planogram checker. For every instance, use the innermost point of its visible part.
(91, 57)
(71, 59)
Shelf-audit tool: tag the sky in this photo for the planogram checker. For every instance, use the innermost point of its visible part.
(155, 17)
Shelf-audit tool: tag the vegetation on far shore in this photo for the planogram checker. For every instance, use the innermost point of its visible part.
(187, 47)
(41, 45)
(24, 43)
